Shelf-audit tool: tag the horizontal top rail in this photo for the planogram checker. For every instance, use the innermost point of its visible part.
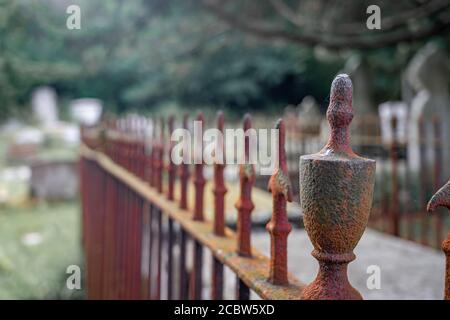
(253, 271)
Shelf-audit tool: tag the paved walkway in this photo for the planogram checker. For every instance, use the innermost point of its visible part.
(408, 270)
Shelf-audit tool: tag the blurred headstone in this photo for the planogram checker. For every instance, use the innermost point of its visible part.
(365, 128)
(45, 106)
(393, 110)
(86, 111)
(29, 135)
(11, 126)
(309, 116)
(24, 145)
(363, 102)
(309, 108)
(428, 74)
(54, 180)
(64, 132)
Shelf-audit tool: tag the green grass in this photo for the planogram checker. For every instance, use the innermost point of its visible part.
(39, 271)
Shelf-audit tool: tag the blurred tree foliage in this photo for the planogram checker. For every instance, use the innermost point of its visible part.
(139, 54)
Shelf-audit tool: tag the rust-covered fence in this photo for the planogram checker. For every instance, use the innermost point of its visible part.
(134, 222)
(142, 227)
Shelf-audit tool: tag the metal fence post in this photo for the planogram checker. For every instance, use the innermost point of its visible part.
(199, 184)
(219, 184)
(160, 158)
(184, 171)
(336, 197)
(244, 204)
(171, 168)
(278, 226)
(245, 207)
(219, 204)
(199, 180)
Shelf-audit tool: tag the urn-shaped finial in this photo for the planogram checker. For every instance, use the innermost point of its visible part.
(336, 188)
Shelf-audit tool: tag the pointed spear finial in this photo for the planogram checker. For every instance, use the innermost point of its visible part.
(245, 204)
(219, 183)
(171, 168)
(247, 126)
(279, 226)
(199, 180)
(184, 169)
(160, 156)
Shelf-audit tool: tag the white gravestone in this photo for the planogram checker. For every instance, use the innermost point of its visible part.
(428, 74)
(393, 110)
(86, 111)
(45, 106)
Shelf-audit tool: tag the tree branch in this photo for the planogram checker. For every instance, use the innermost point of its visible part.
(334, 41)
(388, 23)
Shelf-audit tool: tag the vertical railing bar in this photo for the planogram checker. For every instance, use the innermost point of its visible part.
(183, 283)
(170, 259)
(171, 167)
(126, 237)
(242, 290)
(88, 228)
(245, 206)
(423, 169)
(196, 281)
(145, 250)
(107, 237)
(154, 156)
(131, 236)
(119, 263)
(138, 248)
(217, 279)
(199, 184)
(151, 216)
(395, 207)
(184, 170)
(159, 254)
(134, 246)
(199, 180)
(219, 209)
(118, 240)
(124, 227)
(279, 226)
(160, 157)
(436, 175)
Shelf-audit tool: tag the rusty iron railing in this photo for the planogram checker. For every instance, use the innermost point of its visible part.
(139, 233)
(126, 213)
